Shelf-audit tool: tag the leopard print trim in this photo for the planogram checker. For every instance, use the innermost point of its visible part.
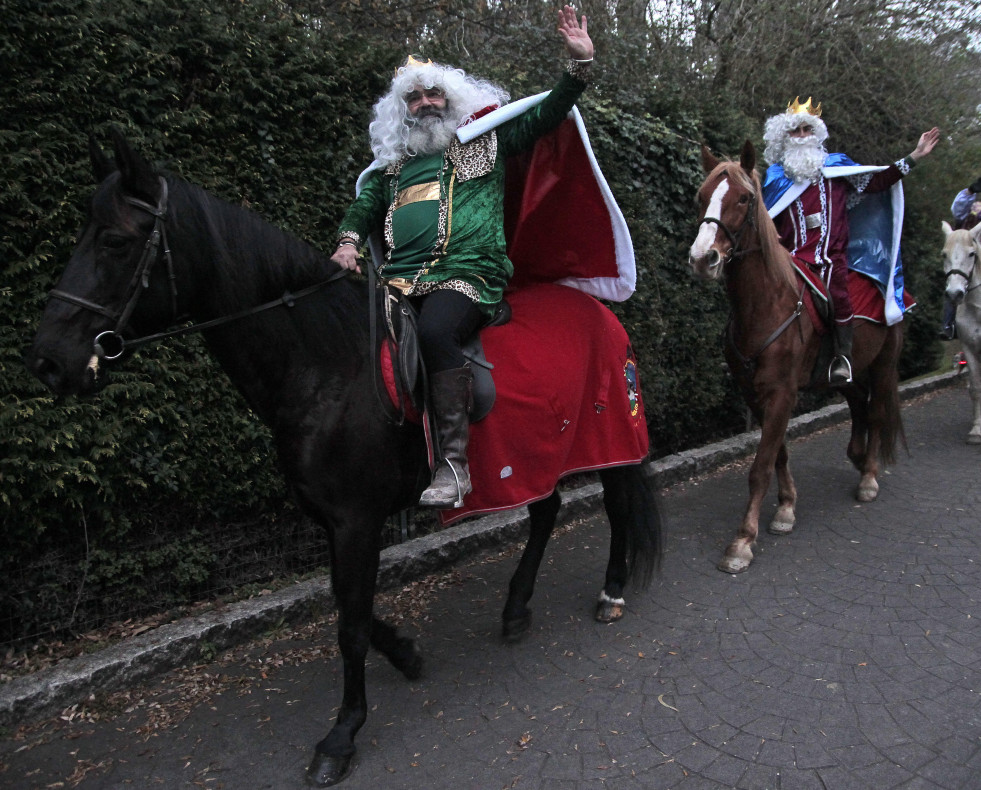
(905, 165)
(580, 70)
(473, 159)
(350, 235)
(859, 182)
(420, 289)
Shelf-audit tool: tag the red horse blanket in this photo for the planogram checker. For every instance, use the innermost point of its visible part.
(568, 400)
(867, 299)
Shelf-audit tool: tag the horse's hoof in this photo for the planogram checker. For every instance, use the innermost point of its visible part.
(408, 659)
(327, 771)
(733, 564)
(867, 493)
(973, 438)
(609, 610)
(514, 629)
(780, 527)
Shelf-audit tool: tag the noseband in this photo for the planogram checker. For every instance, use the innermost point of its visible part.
(111, 343)
(968, 276)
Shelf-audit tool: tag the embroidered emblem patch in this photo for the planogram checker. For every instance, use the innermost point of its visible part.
(633, 396)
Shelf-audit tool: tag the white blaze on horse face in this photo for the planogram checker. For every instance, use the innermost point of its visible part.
(707, 231)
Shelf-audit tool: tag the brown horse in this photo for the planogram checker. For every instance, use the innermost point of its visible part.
(772, 346)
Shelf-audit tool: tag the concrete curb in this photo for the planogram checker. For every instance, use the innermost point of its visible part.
(182, 642)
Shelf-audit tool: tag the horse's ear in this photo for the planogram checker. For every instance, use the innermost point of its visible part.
(747, 158)
(976, 233)
(138, 175)
(945, 227)
(709, 162)
(101, 164)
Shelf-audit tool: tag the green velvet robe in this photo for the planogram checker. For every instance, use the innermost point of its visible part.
(469, 232)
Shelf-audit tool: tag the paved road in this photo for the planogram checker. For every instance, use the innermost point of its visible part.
(849, 656)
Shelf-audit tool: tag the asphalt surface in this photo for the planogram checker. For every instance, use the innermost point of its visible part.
(848, 656)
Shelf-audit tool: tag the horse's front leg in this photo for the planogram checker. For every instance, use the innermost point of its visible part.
(785, 517)
(516, 618)
(774, 416)
(354, 566)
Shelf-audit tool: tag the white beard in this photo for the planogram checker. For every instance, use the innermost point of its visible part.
(803, 158)
(430, 135)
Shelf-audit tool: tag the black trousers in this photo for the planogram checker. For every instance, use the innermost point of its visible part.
(445, 321)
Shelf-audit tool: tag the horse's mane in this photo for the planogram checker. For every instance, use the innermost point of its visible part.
(253, 262)
(776, 259)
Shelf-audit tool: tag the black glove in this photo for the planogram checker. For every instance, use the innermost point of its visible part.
(976, 186)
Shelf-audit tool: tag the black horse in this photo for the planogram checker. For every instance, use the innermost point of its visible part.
(157, 251)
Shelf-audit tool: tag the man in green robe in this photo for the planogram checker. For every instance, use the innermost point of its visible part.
(438, 205)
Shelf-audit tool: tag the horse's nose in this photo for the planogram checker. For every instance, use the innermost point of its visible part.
(50, 373)
(955, 294)
(705, 265)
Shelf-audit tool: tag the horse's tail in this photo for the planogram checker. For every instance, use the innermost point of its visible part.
(641, 516)
(891, 429)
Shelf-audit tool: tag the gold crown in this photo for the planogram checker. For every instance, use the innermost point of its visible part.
(796, 107)
(412, 62)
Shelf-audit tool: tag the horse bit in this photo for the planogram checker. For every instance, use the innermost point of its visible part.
(141, 281)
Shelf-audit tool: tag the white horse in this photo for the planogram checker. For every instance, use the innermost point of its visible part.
(962, 268)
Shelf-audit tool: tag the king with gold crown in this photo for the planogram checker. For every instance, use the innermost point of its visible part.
(837, 217)
(432, 206)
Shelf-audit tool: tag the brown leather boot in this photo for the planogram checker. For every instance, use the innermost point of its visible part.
(452, 400)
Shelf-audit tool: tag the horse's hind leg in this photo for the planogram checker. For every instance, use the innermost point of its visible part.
(863, 446)
(974, 389)
(876, 415)
(634, 536)
(399, 650)
(516, 617)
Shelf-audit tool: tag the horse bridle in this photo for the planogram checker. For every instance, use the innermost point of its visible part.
(749, 221)
(139, 283)
(968, 276)
(156, 244)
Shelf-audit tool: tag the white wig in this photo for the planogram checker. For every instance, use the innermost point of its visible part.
(465, 95)
(776, 132)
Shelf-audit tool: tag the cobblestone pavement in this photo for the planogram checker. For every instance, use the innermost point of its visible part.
(848, 656)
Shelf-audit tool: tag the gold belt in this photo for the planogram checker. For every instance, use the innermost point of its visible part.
(402, 283)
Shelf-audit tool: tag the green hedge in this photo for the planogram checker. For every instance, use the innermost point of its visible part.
(267, 108)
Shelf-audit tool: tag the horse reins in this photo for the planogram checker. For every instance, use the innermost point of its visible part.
(735, 251)
(141, 281)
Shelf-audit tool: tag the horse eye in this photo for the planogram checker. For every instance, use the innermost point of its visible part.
(113, 241)
(743, 199)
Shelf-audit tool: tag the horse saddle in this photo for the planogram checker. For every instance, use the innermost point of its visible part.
(408, 364)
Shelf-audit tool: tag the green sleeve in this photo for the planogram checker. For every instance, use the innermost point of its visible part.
(367, 213)
(520, 133)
